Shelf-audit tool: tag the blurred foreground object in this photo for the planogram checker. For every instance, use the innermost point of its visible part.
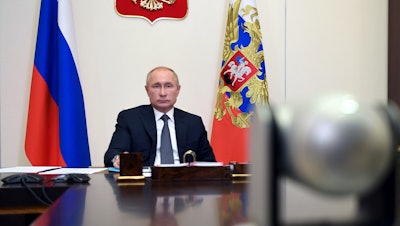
(337, 146)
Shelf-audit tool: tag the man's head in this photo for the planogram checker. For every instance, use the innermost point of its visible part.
(162, 87)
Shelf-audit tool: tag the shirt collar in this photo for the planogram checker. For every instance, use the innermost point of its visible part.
(158, 114)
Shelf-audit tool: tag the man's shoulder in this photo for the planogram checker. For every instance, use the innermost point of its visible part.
(137, 110)
(182, 113)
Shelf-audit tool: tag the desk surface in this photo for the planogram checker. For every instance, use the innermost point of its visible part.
(17, 199)
(106, 202)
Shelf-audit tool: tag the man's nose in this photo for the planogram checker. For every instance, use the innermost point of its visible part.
(162, 90)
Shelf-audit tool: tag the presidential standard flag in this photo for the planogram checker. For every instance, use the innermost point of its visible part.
(56, 133)
(242, 83)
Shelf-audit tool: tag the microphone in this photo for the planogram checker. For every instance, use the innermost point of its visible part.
(189, 156)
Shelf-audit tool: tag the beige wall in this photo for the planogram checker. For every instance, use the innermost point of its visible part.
(115, 53)
(311, 47)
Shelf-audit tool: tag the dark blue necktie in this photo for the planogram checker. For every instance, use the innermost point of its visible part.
(166, 146)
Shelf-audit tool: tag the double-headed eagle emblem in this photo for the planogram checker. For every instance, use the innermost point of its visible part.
(154, 4)
(242, 79)
(152, 10)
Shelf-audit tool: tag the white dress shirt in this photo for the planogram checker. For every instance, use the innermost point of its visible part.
(171, 126)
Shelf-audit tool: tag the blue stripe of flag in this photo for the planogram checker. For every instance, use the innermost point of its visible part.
(56, 64)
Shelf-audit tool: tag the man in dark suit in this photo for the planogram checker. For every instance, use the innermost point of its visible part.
(139, 129)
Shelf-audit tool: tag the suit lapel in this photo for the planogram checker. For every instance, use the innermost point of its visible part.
(181, 131)
(149, 123)
(147, 117)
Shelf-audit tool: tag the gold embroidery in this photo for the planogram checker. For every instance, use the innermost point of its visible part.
(257, 88)
(154, 4)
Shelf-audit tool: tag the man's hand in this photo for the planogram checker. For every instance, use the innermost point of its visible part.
(116, 161)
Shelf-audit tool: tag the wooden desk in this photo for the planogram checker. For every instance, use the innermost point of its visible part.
(19, 207)
(105, 202)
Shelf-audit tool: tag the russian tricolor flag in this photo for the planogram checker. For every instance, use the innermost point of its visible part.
(56, 129)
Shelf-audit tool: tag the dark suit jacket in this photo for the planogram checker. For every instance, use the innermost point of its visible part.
(136, 131)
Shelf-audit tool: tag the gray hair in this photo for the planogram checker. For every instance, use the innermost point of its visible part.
(161, 67)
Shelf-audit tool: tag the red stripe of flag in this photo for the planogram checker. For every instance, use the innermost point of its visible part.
(42, 127)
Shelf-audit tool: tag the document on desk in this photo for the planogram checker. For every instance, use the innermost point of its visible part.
(146, 171)
(28, 169)
(172, 165)
(191, 164)
(206, 164)
(74, 170)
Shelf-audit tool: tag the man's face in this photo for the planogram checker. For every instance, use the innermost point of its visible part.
(162, 89)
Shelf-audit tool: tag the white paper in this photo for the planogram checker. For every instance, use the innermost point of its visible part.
(74, 170)
(28, 169)
(206, 164)
(146, 171)
(172, 165)
(191, 164)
